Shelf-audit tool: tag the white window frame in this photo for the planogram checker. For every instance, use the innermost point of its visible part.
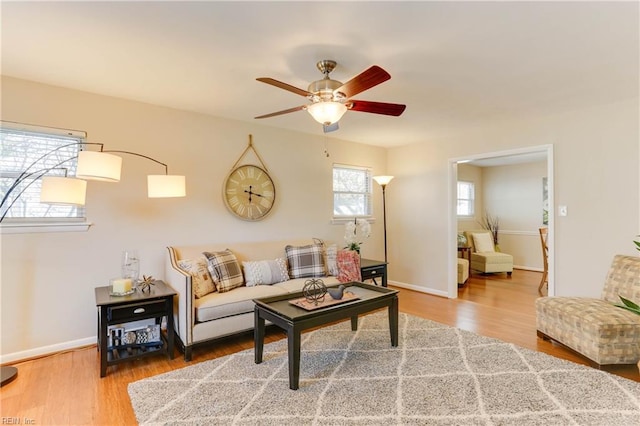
(471, 201)
(59, 223)
(367, 193)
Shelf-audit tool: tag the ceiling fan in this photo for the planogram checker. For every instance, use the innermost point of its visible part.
(330, 99)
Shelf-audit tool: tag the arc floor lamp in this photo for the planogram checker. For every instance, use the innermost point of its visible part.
(101, 165)
(64, 190)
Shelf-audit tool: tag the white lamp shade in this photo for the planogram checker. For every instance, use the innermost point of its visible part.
(383, 180)
(63, 190)
(166, 186)
(327, 112)
(95, 165)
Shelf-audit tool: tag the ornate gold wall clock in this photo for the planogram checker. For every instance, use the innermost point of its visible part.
(248, 191)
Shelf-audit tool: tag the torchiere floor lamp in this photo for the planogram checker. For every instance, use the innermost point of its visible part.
(383, 181)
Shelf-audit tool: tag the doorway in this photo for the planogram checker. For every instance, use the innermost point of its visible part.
(536, 153)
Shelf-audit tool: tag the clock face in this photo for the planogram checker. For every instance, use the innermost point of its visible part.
(249, 192)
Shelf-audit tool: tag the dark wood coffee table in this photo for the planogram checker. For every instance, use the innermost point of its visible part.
(294, 319)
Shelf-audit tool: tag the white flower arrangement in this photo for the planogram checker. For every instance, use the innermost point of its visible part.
(355, 232)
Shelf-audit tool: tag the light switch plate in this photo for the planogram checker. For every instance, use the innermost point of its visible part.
(562, 210)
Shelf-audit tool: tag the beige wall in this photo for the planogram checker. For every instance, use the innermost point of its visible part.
(514, 194)
(596, 176)
(47, 300)
(48, 280)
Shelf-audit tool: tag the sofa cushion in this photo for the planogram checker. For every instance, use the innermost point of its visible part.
(305, 261)
(296, 285)
(238, 301)
(492, 258)
(265, 272)
(200, 276)
(595, 328)
(225, 270)
(483, 242)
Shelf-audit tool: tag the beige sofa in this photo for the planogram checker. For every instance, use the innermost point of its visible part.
(595, 328)
(215, 315)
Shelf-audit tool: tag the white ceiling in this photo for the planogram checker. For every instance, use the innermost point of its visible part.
(454, 64)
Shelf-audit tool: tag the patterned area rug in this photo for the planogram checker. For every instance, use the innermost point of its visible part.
(438, 375)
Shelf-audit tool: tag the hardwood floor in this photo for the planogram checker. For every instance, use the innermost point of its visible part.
(66, 388)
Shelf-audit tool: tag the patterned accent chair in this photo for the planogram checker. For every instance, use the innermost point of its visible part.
(595, 328)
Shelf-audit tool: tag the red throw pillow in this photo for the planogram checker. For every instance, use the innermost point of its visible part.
(348, 266)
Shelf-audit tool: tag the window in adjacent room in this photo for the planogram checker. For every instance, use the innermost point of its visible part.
(352, 191)
(466, 197)
(33, 152)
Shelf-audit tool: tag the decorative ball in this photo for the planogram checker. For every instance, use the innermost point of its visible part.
(146, 283)
(314, 290)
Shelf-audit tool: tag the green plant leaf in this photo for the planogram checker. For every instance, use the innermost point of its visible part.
(629, 303)
(635, 311)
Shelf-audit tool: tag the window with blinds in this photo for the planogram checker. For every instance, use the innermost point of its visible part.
(352, 191)
(27, 153)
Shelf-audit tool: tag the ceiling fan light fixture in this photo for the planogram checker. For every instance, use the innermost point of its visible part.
(327, 112)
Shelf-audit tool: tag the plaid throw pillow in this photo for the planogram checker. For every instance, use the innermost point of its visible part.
(305, 261)
(224, 269)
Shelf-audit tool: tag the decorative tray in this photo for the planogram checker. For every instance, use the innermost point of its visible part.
(328, 301)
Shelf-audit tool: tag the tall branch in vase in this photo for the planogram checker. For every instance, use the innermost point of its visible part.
(492, 224)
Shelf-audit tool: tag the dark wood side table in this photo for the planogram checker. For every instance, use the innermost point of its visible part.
(373, 269)
(113, 310)
(467, 250)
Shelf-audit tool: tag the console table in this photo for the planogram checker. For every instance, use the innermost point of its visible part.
(373, 269)
(114, 310)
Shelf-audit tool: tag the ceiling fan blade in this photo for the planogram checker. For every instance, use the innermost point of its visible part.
(284, 86)
(363, 81)
(377, 107)
(285, 111)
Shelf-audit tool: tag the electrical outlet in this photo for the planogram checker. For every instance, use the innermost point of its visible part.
(562, 210)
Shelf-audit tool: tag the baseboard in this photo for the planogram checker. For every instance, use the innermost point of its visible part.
(528, 268)
(419, 289)
(46, 350)
(74, 344)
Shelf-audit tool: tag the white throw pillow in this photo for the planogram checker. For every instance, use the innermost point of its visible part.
(200, 277)
(483, 242)
(331, 252)
(265, 272)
